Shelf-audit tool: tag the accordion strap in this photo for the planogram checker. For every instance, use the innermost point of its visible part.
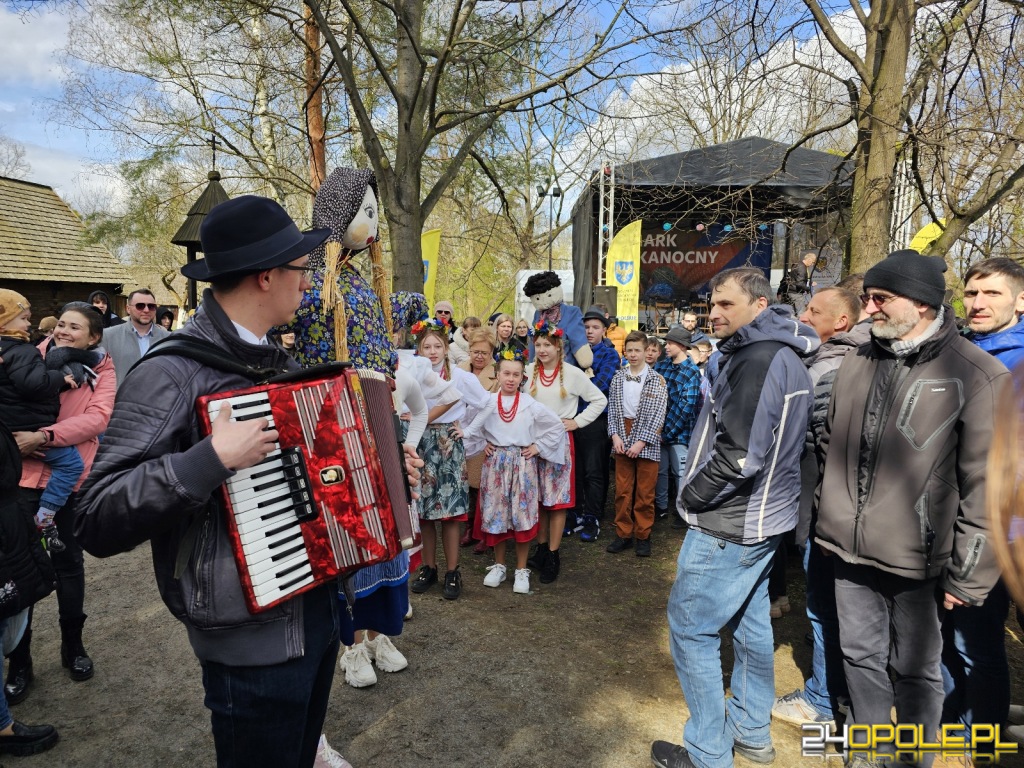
(209, 354)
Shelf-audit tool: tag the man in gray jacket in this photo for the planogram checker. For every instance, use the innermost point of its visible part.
(128, 342)
(834, 314)
(902, 499)
(267, 676)
(740, 496)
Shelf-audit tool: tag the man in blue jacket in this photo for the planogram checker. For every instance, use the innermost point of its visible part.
(975, 672)
(741, 495)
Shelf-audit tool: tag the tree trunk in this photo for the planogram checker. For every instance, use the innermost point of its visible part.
(880, 117)
(315, 103)
(404, 207)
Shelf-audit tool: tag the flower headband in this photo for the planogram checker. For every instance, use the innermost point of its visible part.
(430, 324)
(546, 328)
(511, 353)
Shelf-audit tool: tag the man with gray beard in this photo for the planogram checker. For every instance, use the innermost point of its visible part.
(902, 498)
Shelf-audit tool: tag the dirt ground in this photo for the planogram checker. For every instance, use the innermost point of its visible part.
(577, 673)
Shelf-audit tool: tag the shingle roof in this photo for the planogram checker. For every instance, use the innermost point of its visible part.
(41, 238)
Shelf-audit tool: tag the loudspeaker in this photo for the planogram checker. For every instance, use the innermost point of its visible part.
(608, 295)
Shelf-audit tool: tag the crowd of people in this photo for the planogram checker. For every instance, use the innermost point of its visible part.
(856, 430)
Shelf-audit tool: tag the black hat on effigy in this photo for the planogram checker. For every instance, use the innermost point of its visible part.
(249, 234)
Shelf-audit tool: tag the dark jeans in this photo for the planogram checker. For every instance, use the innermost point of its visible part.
(890, 622)
(273, 716)
(593, 458)
(69, 564)
(975, 672)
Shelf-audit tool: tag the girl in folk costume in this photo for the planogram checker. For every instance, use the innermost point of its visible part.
(408, 308)
(444, 485)
(341, 317)
(560, 387)
(515, 433)
(480, 344)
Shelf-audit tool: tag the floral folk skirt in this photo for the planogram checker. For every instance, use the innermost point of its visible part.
(444, 481)
(509, 496)
(558, 481)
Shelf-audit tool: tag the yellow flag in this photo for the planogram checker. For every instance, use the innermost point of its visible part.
(430, 243)
(927, 235)
(622, 269)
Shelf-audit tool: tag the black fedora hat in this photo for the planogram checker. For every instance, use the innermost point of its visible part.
(249, 234)
(595, 313)
(679, 335)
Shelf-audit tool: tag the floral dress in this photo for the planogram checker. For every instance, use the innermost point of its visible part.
(369, 344)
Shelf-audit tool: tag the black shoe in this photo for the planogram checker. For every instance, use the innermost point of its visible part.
(619, 545)
(678, 524)
(425, 579)
(538, 557)
(452, 585)
(28, 739)
(667, 755)
(72, 653)
(18, 679)
(661, 511)
(643, 547)
(51, 540)
(591, 528)
(763, 755)
(551, 568)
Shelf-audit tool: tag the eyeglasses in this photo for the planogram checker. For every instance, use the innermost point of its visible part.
(442, 312)
(307, 271)
(144, 307)
(880, 299)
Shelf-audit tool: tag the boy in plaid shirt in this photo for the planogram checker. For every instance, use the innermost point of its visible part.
(683, 380)
(636, 413)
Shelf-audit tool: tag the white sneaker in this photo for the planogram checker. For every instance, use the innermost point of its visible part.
(358, 669)
(408, 614)
(522, 583)
(495, 575)
(383, 651)
(326, 757)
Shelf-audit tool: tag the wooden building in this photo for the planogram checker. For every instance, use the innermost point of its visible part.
(44, 254)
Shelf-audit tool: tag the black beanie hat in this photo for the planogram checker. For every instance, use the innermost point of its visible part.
(910, 274)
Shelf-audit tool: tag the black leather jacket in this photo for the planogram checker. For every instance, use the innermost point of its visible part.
(154, 479)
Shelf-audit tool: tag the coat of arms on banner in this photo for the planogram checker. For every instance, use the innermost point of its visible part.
(426, 271)
(623, 272)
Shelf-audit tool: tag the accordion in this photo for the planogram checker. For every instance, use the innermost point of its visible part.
(333, 495)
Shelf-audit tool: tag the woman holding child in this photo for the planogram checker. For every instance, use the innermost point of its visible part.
(84, 414)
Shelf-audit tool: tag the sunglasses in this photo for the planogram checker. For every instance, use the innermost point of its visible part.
(442, 312)
(880, 299)
(143, 307)
(307, 271)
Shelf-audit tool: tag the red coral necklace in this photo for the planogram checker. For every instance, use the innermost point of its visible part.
(510, 414)
(545, 379)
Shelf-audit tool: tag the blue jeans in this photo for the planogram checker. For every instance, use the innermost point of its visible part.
(975, 672)
(827, 681)
(272, 716)
(65, 468)
(5, 712)
(722, 584)
(673, 460)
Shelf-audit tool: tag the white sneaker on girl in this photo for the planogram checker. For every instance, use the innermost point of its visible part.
(327, 757)
(495, 575)
(383, 651)
(358, 669)
(522, 582)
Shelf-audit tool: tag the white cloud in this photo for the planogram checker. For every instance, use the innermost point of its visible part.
(31, 43)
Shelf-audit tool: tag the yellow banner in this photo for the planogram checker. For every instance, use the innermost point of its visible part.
(430, 243)
(622, 269)
(927, 235)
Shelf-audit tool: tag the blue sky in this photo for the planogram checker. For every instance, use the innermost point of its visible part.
(60, 156)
